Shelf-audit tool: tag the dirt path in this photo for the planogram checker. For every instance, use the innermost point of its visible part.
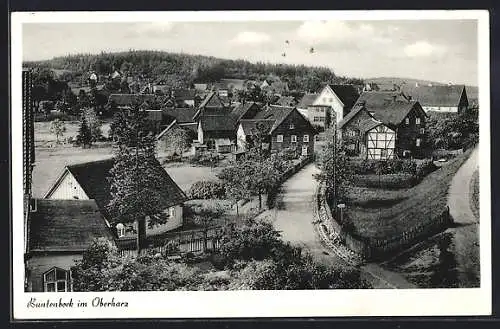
(458, 194)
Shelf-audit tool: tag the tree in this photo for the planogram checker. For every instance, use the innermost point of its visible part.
(58, 128)
(135, 179)
(177, 140)
(335, 169)
(93, 122)
(205, 217)
(84, 136)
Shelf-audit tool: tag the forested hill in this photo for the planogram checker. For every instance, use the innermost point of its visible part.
(187, 69)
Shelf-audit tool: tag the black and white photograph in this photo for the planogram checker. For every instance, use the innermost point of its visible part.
(287, 162)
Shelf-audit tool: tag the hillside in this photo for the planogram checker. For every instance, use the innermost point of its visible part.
(387, 83)
(185, 69)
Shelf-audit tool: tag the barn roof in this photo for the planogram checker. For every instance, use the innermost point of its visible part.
(249, 126)
(240, 110)
(94, 179)
(182, 115)
(276, 113)
(307, 100)
(348, 94)
(435, 95)
(218, 122)
(65, 225)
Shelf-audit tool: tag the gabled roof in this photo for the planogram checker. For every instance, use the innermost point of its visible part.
(65, 225)
(182, 115)
(307, 100)
(212, 97)
(240, 110)
(94, 179)
(130, 99)
(348, 94)
(446, 95)
(218, 123)
(368, 124)
(249, 126)
(276, 113)
(388, 107)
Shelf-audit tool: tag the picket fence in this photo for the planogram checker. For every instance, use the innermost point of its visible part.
(175, 243)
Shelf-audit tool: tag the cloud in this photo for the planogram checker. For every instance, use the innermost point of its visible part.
(333, 31)
(424, 49)
(249, 37)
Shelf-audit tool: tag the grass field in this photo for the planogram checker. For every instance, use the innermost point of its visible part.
(43, 135)
(383, 213)
(474, 192)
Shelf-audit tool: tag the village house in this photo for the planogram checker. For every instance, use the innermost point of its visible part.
(383, 125)
(340, 98)
(59, 231)
(126, 101)
(286, 127)
(90, 181)
(179, 98)
(443, 98)
(304, 103)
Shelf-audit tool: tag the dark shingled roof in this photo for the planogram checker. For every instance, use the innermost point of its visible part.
(182, 115)
(388, 107)
(368, 124)
(65, 225)
(348, 94)
(130, 99)
(218, 122)
(307, 100)
(240, 110)
(276, 113)
(184, 94)
(250, 125)
(93, 177)
(435, 95)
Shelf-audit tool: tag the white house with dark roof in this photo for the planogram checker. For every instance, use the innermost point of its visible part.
(340, 98)
(90, 181)
(439, 98)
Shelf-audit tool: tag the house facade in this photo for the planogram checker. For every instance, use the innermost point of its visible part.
(340, 98)
(59, 232)
(90, 181)
(383, 125)
(289, 130)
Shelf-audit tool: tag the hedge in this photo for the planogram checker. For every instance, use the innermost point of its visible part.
(392, 166)
(207, 190)
(390, 181)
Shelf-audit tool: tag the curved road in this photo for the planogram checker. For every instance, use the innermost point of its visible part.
(293, 217)
(458, 194)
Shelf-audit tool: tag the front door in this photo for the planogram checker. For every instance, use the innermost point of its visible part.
(304, 150)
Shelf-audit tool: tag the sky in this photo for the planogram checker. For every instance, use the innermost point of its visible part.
(436, 50)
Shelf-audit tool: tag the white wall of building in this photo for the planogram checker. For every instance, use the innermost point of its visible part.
(329, 98)
(68, 189)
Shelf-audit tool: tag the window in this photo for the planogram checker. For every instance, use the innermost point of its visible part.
(292, 126)
(407, 121)
(383, 153)
(417, 142)
(321, 109)
(55, 280)
(417, 121)
(306, 139)
(120, 230)
(172, 212)
(294, 138)
(316, 119)
(422, 131)
(352, 133)
(279, 138)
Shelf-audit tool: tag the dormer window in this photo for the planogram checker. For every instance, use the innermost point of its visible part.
(407, 121)
(120, 230)
(56, 280)
(292, 126)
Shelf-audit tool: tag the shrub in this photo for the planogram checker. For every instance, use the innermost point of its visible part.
(424, 168)
(207, 190)
(389, 181)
